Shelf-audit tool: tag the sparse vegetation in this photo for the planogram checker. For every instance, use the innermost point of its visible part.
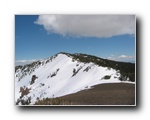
(52, 101)
(42, 84)
(18, 67)
(24, 102)
(126, 69)
(107, 77)
(87, 69)
(76, 71)
(53, 73)
(24, 91)
(34, 77)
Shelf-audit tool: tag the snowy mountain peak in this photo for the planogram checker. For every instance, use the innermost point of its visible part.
(63, 74)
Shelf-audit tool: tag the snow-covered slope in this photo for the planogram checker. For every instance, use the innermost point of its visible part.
(58, 76)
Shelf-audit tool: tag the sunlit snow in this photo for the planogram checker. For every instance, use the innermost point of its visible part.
(63, 82)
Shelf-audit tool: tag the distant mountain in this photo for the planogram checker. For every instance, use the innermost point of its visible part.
(66, 73)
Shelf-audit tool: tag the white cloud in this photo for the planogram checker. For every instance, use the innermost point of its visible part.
(126, 58)
(88, 25)
(24, 62)
(111, 58)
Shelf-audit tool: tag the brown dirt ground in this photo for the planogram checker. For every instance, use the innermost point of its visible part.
(104, 94)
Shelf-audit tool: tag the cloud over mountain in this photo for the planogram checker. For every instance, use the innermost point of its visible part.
(127, 58)
(88, 25)
(24, 62)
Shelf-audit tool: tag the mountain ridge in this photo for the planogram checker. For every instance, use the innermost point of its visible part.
(66, 73)
(97, 60)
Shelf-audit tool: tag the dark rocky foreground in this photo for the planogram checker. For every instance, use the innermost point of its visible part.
(104, 94)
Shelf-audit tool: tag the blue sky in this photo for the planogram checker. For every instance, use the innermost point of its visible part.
(39, 38)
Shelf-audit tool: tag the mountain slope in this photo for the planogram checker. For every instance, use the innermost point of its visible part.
(64, 74)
